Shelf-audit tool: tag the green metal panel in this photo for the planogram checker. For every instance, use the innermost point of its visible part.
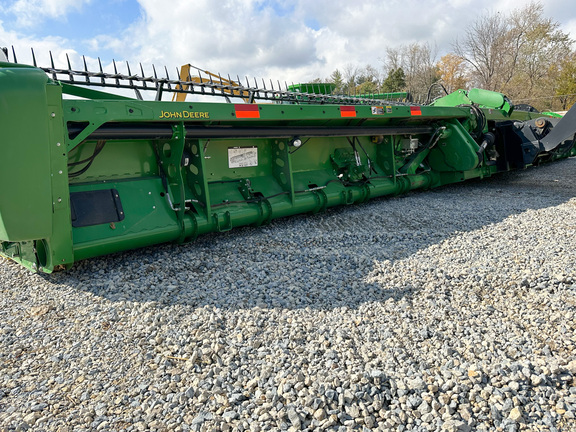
(456, 150)
(387, 96)
(25, 175)
(56, 250)
(317, 88)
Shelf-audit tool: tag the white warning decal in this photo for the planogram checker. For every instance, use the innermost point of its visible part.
(240, 157)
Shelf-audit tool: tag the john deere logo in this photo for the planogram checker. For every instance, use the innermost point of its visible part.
(184, 115)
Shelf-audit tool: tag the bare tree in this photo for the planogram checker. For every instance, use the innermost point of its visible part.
(542, 48)
(485, 49)
(418, 62)
(349, 74)
(517, 54)
(393, 59)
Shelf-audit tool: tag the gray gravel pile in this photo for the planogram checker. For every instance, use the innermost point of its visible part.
(446, 310)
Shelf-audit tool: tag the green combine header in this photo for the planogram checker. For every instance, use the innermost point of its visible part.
(101, 172)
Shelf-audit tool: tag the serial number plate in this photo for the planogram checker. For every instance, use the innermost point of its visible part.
(240, 157)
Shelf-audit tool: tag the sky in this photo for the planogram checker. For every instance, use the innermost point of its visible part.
(286, 40)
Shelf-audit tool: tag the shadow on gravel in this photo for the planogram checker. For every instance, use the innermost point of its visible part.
(319, 262)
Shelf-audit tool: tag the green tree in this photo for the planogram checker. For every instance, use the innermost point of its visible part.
(566, 82)
(367, 80)
(336, 78)
(395, 81)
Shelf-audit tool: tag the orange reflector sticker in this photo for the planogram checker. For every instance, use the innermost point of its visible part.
(348, 111)
(247, 111)
(415, 110)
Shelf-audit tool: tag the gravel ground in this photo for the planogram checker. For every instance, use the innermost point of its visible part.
(446, 310)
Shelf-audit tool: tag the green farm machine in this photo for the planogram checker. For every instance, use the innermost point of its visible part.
(87, 172)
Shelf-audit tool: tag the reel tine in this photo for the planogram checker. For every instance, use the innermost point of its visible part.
(159, 85)
(131, 81)
(143, 76)
(179, 86)
(212, 84)
(53, 68)
(202, 86)
(116, 72)
(14, 55)
(156, 83)
(33, 57)
(221, 84)
(101, 71)
(167, 78)
(87, 74)
(69, 68)
(239, 84)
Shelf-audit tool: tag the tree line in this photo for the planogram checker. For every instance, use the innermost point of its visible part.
(522, 54)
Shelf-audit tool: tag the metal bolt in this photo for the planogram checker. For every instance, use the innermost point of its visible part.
(59, 200)
(154, 207)
(53, 115)
(58, 144)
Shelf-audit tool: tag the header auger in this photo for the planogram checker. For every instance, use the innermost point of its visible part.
(105, 172)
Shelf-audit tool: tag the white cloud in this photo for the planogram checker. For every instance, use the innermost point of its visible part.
(292, 40)
(30, 13)
(271, 39)
(22, 46)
